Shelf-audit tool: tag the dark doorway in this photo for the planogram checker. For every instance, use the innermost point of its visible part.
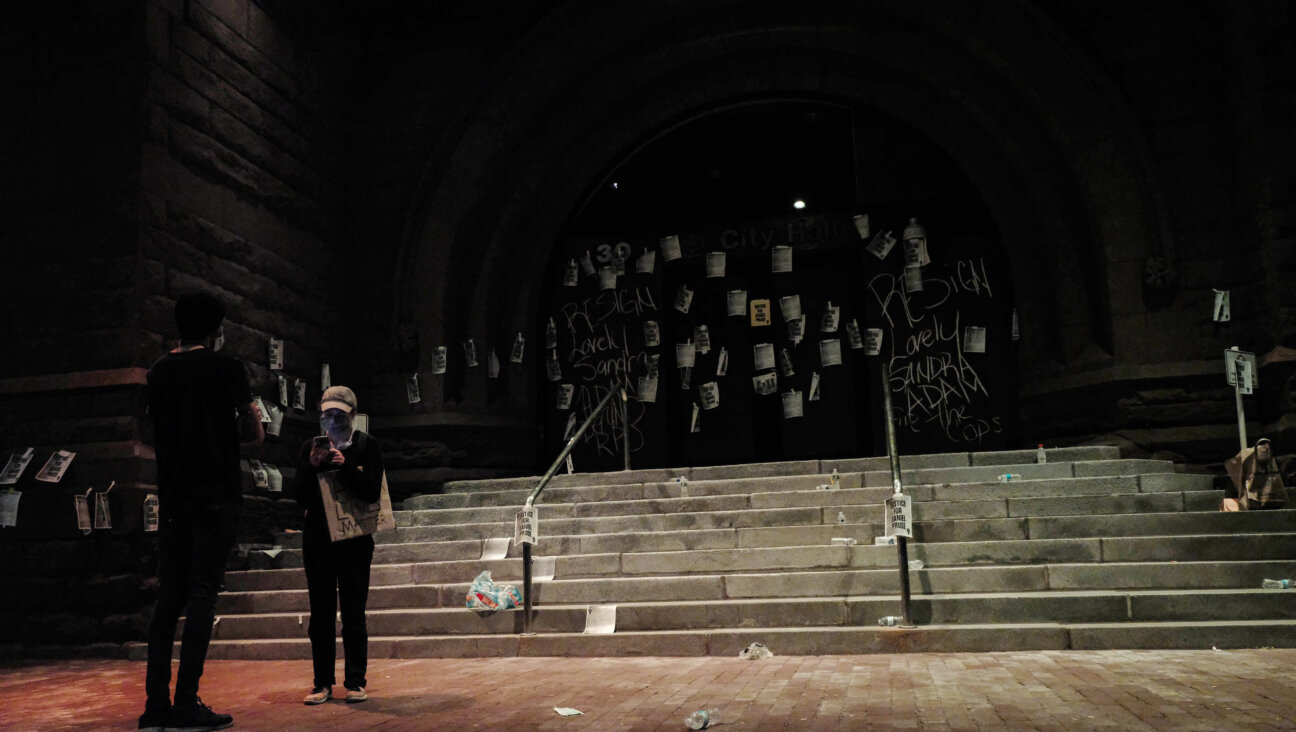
(743, 183)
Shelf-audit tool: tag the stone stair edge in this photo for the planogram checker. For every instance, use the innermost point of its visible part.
(922, 494)
(1173, 516)
(914, 545)
(1061, 566)
(946, 460)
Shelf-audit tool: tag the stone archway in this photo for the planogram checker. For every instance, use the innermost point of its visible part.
(1035, 129)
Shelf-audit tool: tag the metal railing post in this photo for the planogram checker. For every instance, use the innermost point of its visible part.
(625, 426)
(902, 545)
(527, 604)
(526, 589)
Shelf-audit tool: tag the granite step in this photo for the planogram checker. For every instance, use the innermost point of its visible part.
(794, 467)
(773, 492)
(800, 641)
(817, 583)
(965, 609)
(777, 558)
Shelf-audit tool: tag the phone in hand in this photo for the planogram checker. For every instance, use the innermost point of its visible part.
(321, 442)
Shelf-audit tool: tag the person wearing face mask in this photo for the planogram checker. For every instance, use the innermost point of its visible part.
(337, 571)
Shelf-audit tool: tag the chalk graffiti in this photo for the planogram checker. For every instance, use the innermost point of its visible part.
(933, 385)
(605, 434)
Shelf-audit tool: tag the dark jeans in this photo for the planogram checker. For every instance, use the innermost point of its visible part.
(338, 571)
(191, 563)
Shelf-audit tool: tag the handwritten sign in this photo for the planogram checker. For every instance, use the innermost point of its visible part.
(348, 516)
(1240, 370)
(526, 526)
(899, 515)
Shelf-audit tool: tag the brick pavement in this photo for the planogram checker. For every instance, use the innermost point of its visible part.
(1056, 690)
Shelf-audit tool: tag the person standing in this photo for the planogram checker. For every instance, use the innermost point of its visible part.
(202, 410)
(337, 571)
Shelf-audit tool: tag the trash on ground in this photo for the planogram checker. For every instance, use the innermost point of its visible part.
(1282, 584)
(884, 541)
(485, 594)
(889, 620)
(568, 711)
(755, 651)
(843, 541)
(916, 564)
(1009, 476)
(702, 718)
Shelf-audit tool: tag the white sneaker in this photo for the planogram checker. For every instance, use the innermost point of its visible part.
(319, 695)
(355, 696)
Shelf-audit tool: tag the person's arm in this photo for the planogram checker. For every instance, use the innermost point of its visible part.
(363, 477)
(251, 430)
(306, 486)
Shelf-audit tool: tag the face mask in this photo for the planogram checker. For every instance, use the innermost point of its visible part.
(337, 425)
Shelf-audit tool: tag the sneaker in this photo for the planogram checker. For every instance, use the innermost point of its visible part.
(196, 717)
(154, 719)
(355, 696)
(319, 695)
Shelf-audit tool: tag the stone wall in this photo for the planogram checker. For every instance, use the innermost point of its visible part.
(215, 161)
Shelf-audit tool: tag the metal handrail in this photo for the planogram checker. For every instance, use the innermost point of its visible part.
(902, 545)
(618, 387)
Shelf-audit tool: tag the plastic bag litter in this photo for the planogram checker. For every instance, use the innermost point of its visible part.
(485, 594)
(755, 651)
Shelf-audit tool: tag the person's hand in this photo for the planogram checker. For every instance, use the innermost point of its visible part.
(336, 457)
(320, 455)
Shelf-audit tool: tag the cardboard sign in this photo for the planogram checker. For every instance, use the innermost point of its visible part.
(348, 517)
(761, 313)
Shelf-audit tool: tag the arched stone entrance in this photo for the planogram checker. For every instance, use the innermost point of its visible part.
(1036, 130)
(617, 303)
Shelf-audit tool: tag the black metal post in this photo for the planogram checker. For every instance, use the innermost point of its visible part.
(902, 545)
(625, 426)
(526, 589)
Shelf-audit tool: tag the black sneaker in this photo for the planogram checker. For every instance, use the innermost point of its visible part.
(197, 717)
(154, 719)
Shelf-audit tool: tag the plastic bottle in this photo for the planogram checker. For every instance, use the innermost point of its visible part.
(889, 620)
(1040, 457)
(702, 718)
(1281, 584)
(835, 480)
(1007, 477)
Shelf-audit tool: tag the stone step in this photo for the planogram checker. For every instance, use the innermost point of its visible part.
(737, 513)
(800, 490)
(770, 559)
(1040, 527)
(966, 609)
(820, 583)
(798, 641)
(1090, 469)
(795, 467)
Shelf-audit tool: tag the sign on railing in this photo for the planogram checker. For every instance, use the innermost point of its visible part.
(526, 526)
(899, 514)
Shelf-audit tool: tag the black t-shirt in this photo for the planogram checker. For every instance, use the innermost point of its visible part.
(193, 398)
